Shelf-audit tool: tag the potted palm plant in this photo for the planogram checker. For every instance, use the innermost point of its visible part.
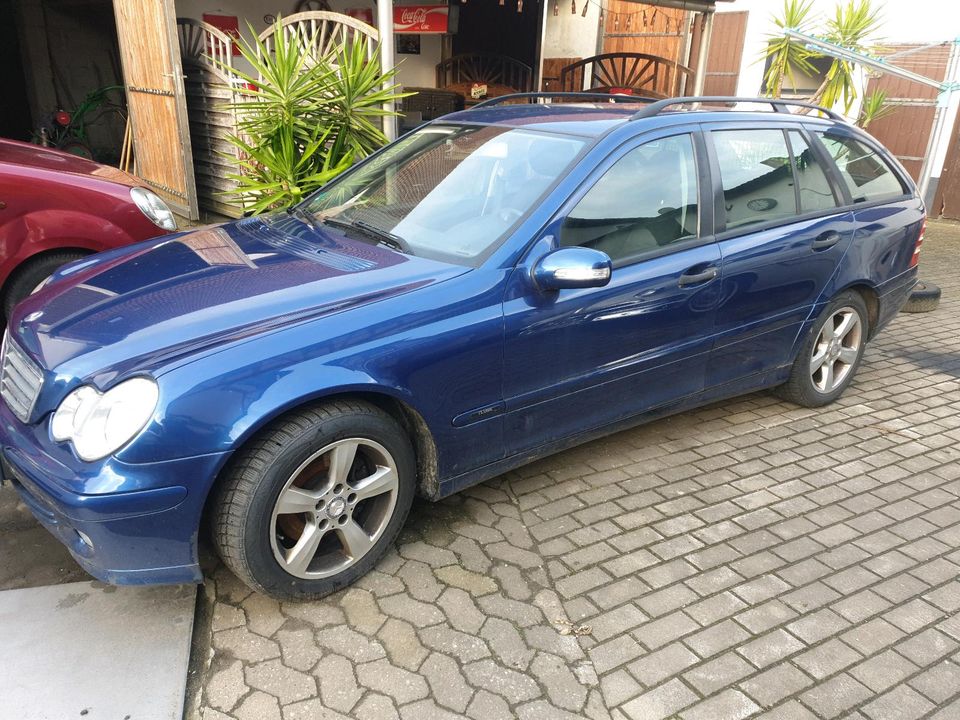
(304, 119)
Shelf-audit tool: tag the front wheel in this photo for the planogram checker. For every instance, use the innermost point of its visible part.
(34, 271)
(831, 354)
(314, 501)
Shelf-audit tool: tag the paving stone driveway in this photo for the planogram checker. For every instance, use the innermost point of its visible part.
(748, 558)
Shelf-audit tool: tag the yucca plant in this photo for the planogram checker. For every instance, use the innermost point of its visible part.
(303, 119)
(853, 22)
(874, 107)
(786, 55)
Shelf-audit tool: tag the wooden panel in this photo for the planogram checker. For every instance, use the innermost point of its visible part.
(947, 201)
(632, 27)
(906, 131)
(551, 72)
(149, 51)
(725, 53)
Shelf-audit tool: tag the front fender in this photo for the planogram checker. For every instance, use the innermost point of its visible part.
(44, 230)
(220, 414)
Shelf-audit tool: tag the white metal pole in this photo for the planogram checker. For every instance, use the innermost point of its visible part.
(941, 126)
(705, 32)
(385, 26)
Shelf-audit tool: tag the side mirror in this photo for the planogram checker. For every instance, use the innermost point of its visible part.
(572, 267)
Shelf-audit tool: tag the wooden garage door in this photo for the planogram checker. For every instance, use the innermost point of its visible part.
(906, 131)
(149, 51)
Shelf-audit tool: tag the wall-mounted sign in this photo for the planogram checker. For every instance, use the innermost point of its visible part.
(228, 24)
(361, 14)
(421, 19)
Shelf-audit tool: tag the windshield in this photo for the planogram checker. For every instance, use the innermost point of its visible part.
(446, 192)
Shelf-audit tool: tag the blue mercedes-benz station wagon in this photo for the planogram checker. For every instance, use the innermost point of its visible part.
(498, 285)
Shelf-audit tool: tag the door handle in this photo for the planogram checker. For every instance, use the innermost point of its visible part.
(826, 240)
(689, 278)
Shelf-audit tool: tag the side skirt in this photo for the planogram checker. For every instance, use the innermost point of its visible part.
(743, 386)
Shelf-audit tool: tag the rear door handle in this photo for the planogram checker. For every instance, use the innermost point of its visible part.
(826, 240)
(688, 278)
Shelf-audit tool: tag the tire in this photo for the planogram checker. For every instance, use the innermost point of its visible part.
(33, 272)
(924, 298)
(838, 348)
(287, 524)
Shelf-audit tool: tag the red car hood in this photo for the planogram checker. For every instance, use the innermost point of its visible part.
(36, 156)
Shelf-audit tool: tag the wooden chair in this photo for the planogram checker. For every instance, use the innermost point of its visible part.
(643, 74)
(485, 68)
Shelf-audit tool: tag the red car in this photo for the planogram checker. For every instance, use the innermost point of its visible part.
(56, 208)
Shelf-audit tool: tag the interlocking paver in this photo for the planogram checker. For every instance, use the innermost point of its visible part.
(773, 685)
(748, 557)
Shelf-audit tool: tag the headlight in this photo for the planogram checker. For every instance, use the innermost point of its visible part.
(99, 424)
(154, 208)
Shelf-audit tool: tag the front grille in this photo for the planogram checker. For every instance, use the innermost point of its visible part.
(20, 379)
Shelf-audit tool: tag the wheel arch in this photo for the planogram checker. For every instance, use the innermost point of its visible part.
(39, 253)
(871, 300)
(409, 418)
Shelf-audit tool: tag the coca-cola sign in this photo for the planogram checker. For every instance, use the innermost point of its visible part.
(420, 19)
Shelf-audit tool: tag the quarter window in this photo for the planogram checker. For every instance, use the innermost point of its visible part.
(646, 201)
(756, 176)
(812, 184)
(866, 174)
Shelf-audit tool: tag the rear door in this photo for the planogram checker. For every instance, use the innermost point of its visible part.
(782, 232)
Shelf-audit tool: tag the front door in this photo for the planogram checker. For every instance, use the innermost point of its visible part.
(782, 239)
(150, 54)
(576, 360)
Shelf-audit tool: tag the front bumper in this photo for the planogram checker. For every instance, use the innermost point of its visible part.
(124, 524)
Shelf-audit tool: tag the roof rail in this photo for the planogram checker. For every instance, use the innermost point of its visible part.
(605, 97)
(779, 104)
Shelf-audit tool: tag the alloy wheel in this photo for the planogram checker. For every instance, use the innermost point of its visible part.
(334, 508)
(836, 350)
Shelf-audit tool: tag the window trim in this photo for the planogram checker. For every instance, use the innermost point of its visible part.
(705, 209)
(838, 198)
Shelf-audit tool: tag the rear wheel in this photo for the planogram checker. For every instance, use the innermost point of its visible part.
(28, 276)
(315, 500)
(831, 354)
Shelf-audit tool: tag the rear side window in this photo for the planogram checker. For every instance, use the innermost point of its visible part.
(756, 176)
(866, 174)
(812, 184)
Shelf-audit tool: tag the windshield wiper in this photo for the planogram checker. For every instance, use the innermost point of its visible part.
(382, 236)
(304, 214)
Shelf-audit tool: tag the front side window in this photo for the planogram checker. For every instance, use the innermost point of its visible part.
(866, 174)
(756, 176)
(646, 201)
(448, 192)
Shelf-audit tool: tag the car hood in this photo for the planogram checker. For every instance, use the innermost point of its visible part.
(150, 303)
(36, 156)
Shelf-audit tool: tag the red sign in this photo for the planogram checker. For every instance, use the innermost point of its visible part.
(361, 14)
(228, 24)
(421, 19)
